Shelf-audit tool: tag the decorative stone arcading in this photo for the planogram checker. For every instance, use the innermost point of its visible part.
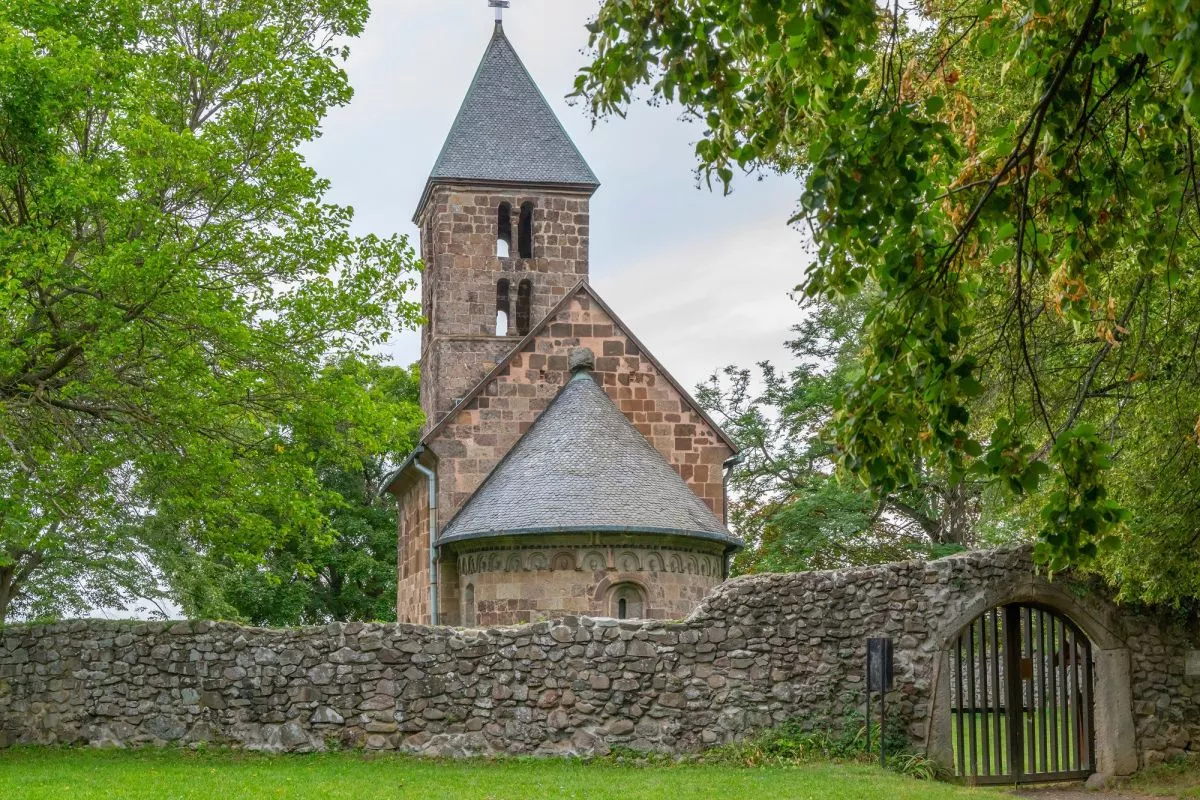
(701, 561)
(758, 651)
(539, 577)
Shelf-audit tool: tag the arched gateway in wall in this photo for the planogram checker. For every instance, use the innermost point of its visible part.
(1032, 685)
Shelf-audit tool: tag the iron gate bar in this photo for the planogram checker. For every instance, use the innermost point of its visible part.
(1077, 697)
(1080, 708)
(999, 700)
(1029, 723)
(958, 710)
(1016, 690)
(1052, 722)
(1065, 737)
(985, 749)
(1047, 660)
(1034, 694)
(1052, 727)
(1043, 764)
(971, 697)
(1068, 734)
(1071, 748)
(1089, 708)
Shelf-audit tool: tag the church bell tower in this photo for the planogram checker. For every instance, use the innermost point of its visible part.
(504, 227)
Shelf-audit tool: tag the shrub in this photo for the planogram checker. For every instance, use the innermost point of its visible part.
(799, 741)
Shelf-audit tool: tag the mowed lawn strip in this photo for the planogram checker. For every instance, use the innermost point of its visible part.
(1178, 779)
(32, 774)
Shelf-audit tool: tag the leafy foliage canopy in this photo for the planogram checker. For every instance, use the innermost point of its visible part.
(173, 281)
(1016, 184)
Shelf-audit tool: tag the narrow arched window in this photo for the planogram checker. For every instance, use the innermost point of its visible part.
(627, 601)
(502, 307)
(525, 231)
(469, 606)
(504, 230)
(524, 302)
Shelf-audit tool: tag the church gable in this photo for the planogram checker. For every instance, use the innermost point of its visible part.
(504, 235)
(474, 437)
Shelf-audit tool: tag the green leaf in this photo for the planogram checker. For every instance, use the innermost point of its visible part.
(1002, 255)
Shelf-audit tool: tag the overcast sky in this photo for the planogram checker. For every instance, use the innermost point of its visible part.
(702, 279)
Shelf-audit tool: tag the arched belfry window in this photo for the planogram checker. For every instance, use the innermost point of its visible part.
(524, 302)
(504, 230)
(502, 307)
(525, 231)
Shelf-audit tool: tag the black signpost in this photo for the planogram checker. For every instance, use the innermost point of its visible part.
(879, 679)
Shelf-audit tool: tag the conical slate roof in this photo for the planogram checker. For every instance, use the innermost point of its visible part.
(582, 467)
(506, 132)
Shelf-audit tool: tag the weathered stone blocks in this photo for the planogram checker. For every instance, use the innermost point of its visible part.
(758, 651)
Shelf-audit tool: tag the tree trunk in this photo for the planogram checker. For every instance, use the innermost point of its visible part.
(949, 515)
(6, 590)
(959, 513)
(14, 577)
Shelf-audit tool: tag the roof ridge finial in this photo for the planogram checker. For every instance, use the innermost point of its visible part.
(581, 361)
(499, 5)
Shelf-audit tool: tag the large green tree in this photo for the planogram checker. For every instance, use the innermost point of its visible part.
(1016, 182)
(172, 279)
(345, 568)
(786, 496)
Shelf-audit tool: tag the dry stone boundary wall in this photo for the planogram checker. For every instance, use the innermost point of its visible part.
(759, 651)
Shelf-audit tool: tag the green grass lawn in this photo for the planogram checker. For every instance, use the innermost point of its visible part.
(1180, 779)
(184, 775)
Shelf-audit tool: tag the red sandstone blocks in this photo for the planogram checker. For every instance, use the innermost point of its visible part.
(459, 348)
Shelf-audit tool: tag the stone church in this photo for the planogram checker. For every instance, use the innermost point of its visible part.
(562, 470)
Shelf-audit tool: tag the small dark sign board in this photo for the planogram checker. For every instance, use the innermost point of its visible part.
(879, 665)
(879, 679)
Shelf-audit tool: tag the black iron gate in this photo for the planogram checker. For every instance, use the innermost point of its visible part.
(1021, 698)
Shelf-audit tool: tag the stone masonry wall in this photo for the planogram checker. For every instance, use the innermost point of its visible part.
(458, 246)
(461, 261)
(412, 550)
(479, 435)
(452, 366)
(759, 650)
(1166, 700)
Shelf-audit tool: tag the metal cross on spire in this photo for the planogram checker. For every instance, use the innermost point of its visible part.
(499, 5)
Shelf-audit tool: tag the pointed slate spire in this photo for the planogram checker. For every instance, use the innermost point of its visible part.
(583, 467)
(506, 132)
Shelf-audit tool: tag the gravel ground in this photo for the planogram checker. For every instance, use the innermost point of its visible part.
(1061, 793)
